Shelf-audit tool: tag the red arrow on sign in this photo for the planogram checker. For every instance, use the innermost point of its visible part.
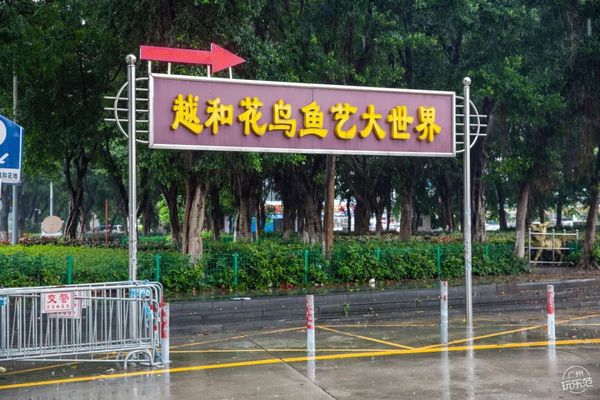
(218, 58)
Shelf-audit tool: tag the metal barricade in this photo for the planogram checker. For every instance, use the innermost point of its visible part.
(115, 321)
(550, 247)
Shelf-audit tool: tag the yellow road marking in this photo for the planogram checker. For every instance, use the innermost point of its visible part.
(299, 359)
(485, 336)
(583, 317)
(302, 350)
(327, 328)
(528, 328)
(21, 371)
(297, 328)
(367, 325)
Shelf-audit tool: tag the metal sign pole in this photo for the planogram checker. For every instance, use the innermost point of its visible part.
(130, 59)
(15, 192)
(467, 204)
(51, 199)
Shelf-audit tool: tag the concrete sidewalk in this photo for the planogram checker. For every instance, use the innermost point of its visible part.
(506, 356)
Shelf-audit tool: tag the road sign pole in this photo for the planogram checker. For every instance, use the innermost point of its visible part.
(15, 202)
(467, 203)
(15, 192)
(51, 199)
(130, 59)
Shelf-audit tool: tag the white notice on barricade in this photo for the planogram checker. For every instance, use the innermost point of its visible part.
(61, 304)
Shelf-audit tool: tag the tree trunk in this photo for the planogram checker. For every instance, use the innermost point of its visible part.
(522, 206)
(146, 206)
(112, 167)
(445, 200)
(329, 205)
(501, 211)
(542, 215)
(378, 224)
(195, 204)
(170, 193)
(289, 221)
(361, 216)
(479, 158)
(312, 223)
(243, 227)
(479, 235)
(216, 212)
(588, 260)
(559, 207)
(261, 217)
(75, 190)
(406, 212)
(349, 214)
(388, 211)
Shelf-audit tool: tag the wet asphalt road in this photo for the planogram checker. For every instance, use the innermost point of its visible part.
(507, 357)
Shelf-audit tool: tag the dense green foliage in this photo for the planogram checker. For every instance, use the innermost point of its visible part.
(268, 264)
(534, 67)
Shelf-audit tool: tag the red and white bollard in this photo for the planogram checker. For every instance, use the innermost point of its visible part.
(444, 302)
(310, 324)
(164, 333)
(444, 312)
(550, 311)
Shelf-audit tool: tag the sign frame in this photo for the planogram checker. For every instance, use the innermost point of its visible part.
(19, 169)
(292, 150)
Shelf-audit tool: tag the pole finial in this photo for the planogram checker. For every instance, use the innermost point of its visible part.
(130, 59)
(467, 81)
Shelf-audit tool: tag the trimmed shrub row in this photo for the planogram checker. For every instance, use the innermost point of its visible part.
(263, 265)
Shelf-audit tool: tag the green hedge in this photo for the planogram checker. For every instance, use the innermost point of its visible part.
(35, 265)
(262, 265)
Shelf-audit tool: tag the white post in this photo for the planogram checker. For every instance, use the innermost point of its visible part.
(444, 311)
(164, 333)
(51, 199)
(310, 325)
(550, 311)
(467, 203)
(130, 59)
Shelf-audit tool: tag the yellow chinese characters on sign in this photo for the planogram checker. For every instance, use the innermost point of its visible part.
(218, 114)
(186, 113)
(251, 116)
(398, 118)
(313, 121)
(282, 119)
(399, 121)
(341, 114)
(372, 126)
(427, 124)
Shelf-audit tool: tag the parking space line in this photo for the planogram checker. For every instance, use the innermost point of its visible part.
(329, 329)
(299, 359)
(22, 371)
(298, 350)
(45, 367)
(489, 335)
(508, 332)
(580, 318)
(221, 340)
(367, 325)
